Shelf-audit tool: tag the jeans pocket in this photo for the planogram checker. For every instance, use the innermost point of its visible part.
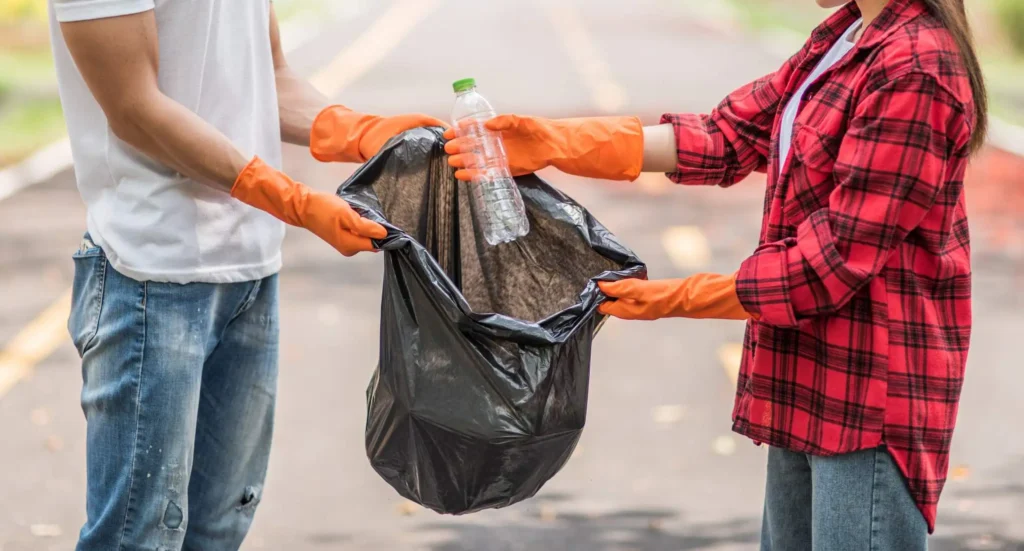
(87, 294)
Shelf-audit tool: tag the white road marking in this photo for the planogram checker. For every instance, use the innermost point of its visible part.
(605, 93)
(376, 42)
(39, 167)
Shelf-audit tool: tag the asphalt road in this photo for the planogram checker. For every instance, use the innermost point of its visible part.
(657, 468)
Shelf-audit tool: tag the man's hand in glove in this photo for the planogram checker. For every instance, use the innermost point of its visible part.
(702, 296)
(326, 215)
(342, 135)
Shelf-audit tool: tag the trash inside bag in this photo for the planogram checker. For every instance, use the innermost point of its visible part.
(480, 395)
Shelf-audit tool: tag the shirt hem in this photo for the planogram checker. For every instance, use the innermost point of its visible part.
(743, 427)
(99, 9)
(232, 273)
(220, 274)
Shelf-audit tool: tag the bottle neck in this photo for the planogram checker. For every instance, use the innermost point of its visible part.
(464, 92)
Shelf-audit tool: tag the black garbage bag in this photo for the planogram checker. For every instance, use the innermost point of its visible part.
(481, 391)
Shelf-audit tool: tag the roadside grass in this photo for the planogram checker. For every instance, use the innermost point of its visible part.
(30, 110)
(28, 126)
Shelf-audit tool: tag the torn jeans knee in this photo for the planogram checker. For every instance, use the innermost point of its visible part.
(173, 516)
(250, 499)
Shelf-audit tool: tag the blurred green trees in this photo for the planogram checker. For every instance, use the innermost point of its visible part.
(1011, 15)
(16, 10)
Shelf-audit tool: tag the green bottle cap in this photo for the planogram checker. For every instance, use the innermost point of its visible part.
(463, 84)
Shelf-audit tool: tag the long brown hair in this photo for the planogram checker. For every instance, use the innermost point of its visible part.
(953, 15)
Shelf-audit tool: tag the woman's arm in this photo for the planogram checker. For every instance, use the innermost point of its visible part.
(907, 141)
(723, 147)
(659, 148)
(298, 101)
(716, 149)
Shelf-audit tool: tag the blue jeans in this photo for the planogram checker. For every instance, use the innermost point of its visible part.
(857, 501)
(179, 384)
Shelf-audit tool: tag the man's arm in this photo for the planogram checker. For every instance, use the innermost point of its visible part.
(298, 101)
(332, 132)
(119, 58)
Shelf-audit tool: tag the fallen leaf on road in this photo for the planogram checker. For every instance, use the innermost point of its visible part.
(40, 416)
(960, 473)
(408, 508)
(547, 513)
(730, 355)
(687, 247)
(54, 443)
(45, 530)
(655, 524)
(984, 541)
(668, 414)
(724, 445)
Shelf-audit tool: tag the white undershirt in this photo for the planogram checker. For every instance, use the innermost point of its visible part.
(837, 52)
(153, 223)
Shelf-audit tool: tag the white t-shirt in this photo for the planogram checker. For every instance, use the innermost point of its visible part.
(153, 223)
(835, 53)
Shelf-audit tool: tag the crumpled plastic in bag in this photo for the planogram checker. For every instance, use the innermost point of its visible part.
(480, 394)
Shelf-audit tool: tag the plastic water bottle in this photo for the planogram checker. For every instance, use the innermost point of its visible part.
(496, 201)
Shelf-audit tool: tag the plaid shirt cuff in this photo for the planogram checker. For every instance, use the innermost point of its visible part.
(762, 284)
(698, 157)
(781, 280)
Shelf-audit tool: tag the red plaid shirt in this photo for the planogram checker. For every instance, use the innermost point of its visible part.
(862, 280)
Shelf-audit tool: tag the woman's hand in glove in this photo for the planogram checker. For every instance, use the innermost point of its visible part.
(611, 148)
(699, 296)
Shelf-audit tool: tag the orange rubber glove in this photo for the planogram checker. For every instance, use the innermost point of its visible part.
(611, 148)
(329, 217)
(342, 135)
(700, 296)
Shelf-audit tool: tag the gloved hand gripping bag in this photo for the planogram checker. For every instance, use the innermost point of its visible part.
(480, 395)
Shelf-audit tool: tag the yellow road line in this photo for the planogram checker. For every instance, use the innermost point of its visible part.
(47, 331)
(34, 343)
(605, 93)
(372, 46)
